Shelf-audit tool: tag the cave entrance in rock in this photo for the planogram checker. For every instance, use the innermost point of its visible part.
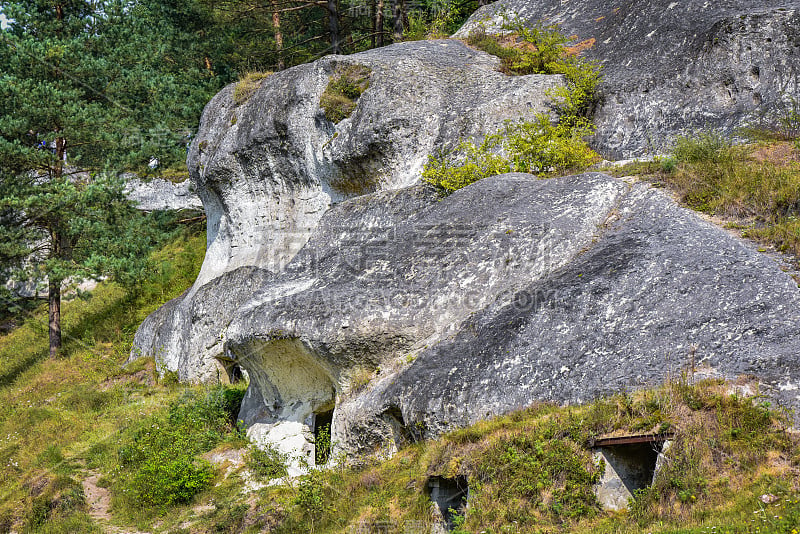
(450, 496)
(235, 374)
(233, 371)
(323, 421)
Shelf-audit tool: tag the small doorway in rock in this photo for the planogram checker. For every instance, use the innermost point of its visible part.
(450, 496)
(322, 436)
(631, 463)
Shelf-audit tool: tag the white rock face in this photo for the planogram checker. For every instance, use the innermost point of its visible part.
(290, 438)
(268, 169)
(160, 194)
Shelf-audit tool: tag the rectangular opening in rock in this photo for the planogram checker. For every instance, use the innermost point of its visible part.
(322, 436)
(450, 496)
(631, 463)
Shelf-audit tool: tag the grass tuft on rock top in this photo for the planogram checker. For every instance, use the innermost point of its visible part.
(754, 188)
(345, 86)
(247, 86)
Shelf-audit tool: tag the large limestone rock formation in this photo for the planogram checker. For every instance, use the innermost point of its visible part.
(339, 284)
(160, 194)
(510, 291)
(671, 66)
(268, 168)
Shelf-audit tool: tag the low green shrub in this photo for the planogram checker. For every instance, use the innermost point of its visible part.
(468, 163)
(322, 445)
(541, 147)
(538, 147)
(158, 465)
(576, 103)
(668, 165)
(166, 477)
(345, 86)
(311, 497)
(266, 462)
(542, 50)
(709, 147)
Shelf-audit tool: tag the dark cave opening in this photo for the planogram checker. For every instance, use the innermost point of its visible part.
(322, 436)
(450, 495)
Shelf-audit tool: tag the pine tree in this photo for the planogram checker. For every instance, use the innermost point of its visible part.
(86, 92)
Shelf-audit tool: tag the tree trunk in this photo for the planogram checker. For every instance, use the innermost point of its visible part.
(54, 313)
(372, 13)
(276, 27)
(333, 27)
(56, 249)
(398, 14)
(61, 151)
(379, 22)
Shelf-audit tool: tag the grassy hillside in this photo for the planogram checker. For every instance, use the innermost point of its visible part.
(87, 446)
(52, 413)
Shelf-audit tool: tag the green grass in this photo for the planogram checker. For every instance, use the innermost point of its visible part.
(345, 86)
(531, 471)
(754, 188)
(53, 413)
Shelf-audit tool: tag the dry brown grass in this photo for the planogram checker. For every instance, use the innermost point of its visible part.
(248, 85)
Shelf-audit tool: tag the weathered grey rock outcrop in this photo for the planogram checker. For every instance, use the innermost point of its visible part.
(388, 273)
(671, 66)
(510, 291)
(340, 284)
(267, 169)
(160, 194)
(184, 335)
